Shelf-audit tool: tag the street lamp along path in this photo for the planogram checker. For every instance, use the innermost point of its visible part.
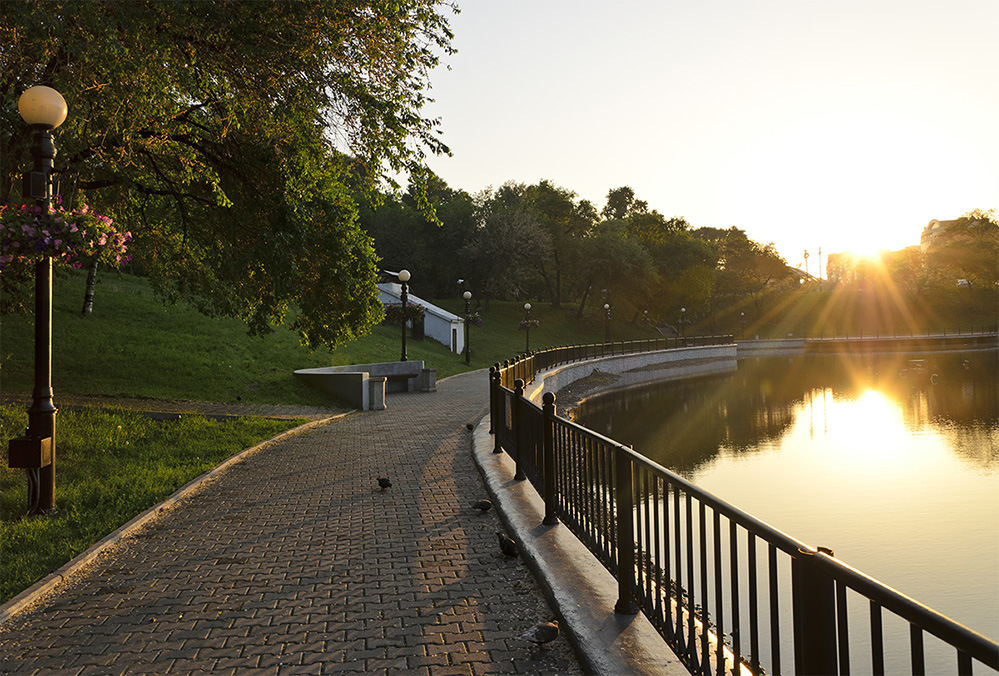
(403, 297)
(468, 316)
(44, 109)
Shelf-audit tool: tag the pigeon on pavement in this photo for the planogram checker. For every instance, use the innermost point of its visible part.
(543, 633)
(384, 483)
(507, 545)
(483, 505)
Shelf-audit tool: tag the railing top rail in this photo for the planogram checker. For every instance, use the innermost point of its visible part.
(780, 539)
(961, 637)
(949, 630)
(964, 639)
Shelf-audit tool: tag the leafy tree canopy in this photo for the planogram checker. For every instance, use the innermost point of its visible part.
(969, 248)
(231, 137)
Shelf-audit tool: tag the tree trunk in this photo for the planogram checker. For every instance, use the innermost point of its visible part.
(88, 296)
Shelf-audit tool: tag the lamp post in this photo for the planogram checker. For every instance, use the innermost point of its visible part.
(683, 320)
(742, 325)
(403, 278)
(527, 327)
(606, 322)
(468, 315)
(44, 109)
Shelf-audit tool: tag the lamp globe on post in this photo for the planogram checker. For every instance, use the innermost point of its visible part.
(742, 325)
(683, 321)
(606, 322)
(468, 316)
(527, 327)
(403, 297)
(44, 109)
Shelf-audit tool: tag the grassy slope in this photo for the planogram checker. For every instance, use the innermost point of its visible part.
(133, 345)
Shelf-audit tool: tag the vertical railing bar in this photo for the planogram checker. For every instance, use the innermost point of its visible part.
(705, 629)
(736, 619)
(606, 505)
(649, 562)
(754, 625)
(641, 579)
(691, 582)
(570, 473)
(678, 578)
(624, 492)
(963, 664)
(668, 560)
(588, 494)
(719, 601)
(843, 629)
(916, 650)
(774, 609)
(877, 641)
(558, 438)
(656, 540)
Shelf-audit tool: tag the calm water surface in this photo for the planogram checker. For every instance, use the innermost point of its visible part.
(897, 474)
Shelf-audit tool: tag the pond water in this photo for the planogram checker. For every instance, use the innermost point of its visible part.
(895, 469)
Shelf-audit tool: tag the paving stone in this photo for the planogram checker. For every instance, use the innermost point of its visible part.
(293, 561)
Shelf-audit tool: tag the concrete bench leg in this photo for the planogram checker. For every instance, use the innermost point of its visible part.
(428, 380)
(376, 394)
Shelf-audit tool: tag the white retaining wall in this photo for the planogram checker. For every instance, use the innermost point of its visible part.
(711, 359)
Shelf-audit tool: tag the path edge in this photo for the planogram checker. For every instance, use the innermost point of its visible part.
(48, 584)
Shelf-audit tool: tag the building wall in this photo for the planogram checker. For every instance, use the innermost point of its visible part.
(440, 325)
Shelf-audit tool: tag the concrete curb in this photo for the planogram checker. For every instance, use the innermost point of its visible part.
(582, 592)
(47, 584)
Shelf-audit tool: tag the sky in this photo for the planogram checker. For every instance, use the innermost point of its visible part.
(814, 124)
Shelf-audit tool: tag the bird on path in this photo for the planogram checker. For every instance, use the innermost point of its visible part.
(507, 545)
(384, 483)
(483, 505)
(543, 633)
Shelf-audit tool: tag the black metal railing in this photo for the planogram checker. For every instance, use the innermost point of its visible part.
(525, 366)
(973, 330)
(728, 592)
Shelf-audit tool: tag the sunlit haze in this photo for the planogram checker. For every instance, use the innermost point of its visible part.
(832, 125)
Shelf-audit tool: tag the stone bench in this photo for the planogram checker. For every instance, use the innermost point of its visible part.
(365, 385)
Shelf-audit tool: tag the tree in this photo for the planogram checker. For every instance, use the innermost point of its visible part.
(505, 245)
(566, 221)
(909, 272)
(746, 267)
(234, 161)
(968, 249)
(617, 263)
(407, 236)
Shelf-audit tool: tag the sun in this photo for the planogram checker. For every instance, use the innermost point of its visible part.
(870, 253)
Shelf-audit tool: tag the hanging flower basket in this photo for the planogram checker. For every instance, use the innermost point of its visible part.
(28, 235)
(473, 320)
(526, 324)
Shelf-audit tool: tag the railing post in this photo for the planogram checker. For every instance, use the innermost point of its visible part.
(518, 398)
(625, 501)
(548, 451)
(500, 408)
(814, 616)
(493, 391)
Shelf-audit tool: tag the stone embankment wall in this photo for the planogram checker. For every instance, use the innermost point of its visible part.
(572, 382)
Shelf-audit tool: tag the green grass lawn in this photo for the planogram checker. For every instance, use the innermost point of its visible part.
(135, 346)
(112, 465)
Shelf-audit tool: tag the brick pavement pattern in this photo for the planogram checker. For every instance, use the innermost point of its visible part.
(294, 562)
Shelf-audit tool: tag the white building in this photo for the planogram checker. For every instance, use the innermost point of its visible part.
(445, 327)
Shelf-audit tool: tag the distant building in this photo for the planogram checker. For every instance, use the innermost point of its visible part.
(932, 230)
(438, 324)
